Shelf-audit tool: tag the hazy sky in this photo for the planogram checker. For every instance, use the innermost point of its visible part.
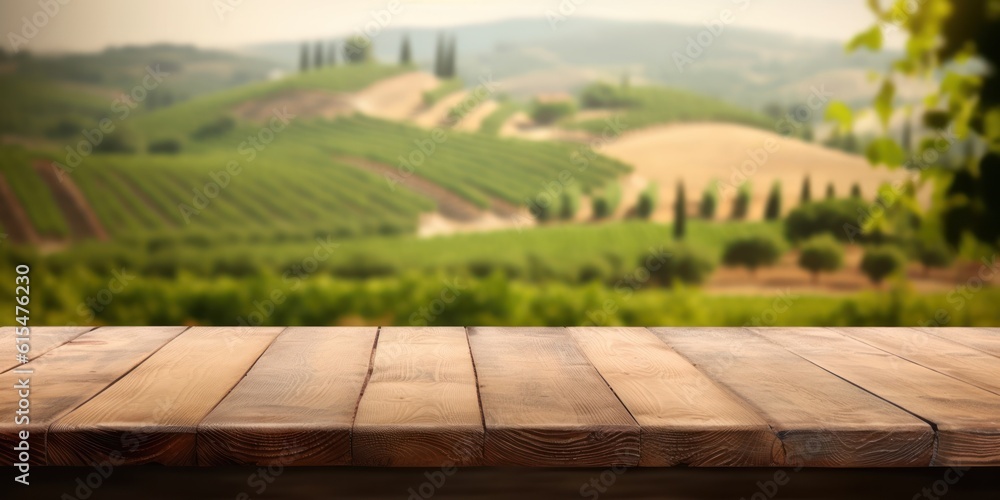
(85, 25)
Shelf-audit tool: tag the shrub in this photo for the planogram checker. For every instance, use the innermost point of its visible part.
(821, 254)
(806, 195)
(647, 202)
(831, 191)
(545, 113)
(64, 128)
(214, 128)
(882, 261)
(773, 209)
(835, 217)
(709, 201)
(752, 252)
(118, 141)
(934, 255)
(165, 146)
(605, 203)
(569, 204)
(856, 191)
(681, 265)
(741, 205)
(603, 95)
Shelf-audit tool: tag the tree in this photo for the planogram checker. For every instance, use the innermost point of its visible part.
(709, 201)
(405, 56)
(942, 33)
(934, 255)
(331, 54)
(449, 60)
(545, 113)
(357, 50)
(605, 203)
(831, 191)
(741, 206)
(318, 56)
(773, 209)
(821, 254)
(439, 57)
(682, 266)
(752, 252)
(569, 203)
(680, 213)
(806, 195)
(882, 261)
(835, 217)
(304, 58)
(856, 191)
(647, 201)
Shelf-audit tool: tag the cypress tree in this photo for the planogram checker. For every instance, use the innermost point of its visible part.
(450, 59)
(439, 56)
(318, 56)
(680, 213)
(331, 55)
(405, 56)
(806, 191)
(304, 58)
(773, 209)
(831, 192)
(856, 191)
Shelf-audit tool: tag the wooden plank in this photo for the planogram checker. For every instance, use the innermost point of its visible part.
(151, 414)
(984, 339)
(296, 406)
(66, 377)
(967, 418)
(42, 340)
(544, 404)
(685, 417)
(821, 420)
(421, 406)
(964, 363)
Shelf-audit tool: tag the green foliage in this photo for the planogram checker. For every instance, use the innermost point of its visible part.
(831, 191)
(772, 211)
(357, 50)
(856, 191)
(680, 213)
(215, 128)
(741, 205)
(681, 265)
(821, 254)
(492, 124)
(168, 146)
(405, 52)
(121, 140)
(709, 201)
(752, 252)
(645, 106)
(569, 203)
(647, 201)
(606, 201)
(547, 113)
(934, 255)
(603, 95)
(806, 194)
(882, 261)
(838, 218)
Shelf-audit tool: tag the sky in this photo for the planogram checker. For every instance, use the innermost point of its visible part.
(90, 25)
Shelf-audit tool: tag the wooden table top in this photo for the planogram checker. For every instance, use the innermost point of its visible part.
(538, 397)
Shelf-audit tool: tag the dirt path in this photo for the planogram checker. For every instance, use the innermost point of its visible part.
(82, 221)
(437, 115)
(396, 98)
(474, 119)
(13, 217)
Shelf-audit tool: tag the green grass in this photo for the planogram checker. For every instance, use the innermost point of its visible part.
(658, 105)
(494, 122)
(17, 168)
(32, 106)
(444, 89)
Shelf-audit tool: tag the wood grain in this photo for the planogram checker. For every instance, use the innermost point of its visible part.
(941, 355)
(544, 404)
(822, 420)
(983, 339)
(42, 340)
(296, 406)
(67, 376)
(151, 414)
(421, 406)
(967, 418)
(685, 417)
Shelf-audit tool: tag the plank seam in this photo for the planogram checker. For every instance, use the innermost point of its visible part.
(364, 386)
(930, 331)
(931, 368)
(230, 391)
(45, 438)
(479, 397)
(53, 348)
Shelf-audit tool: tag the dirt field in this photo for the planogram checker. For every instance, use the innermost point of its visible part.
(474, 119)
(701, 153)
(395, 98)
(436, 115)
